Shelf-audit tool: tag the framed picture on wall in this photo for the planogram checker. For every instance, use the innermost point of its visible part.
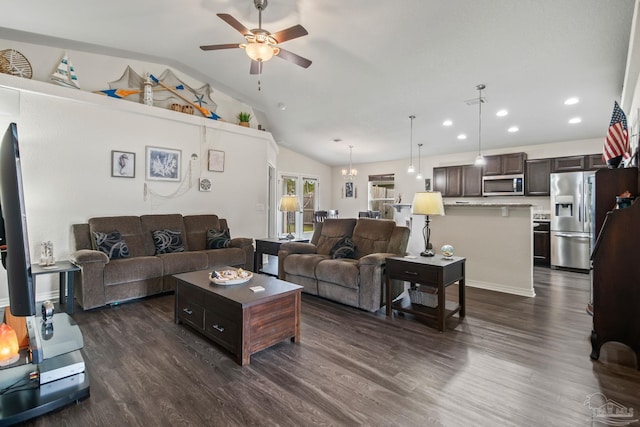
(123, 164)
(348, 189)
(163, 164)
(216, 161)
(427, 184)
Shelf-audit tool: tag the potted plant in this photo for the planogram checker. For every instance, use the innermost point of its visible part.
(243, 119)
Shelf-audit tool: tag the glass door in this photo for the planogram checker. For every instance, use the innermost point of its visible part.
(299, 223)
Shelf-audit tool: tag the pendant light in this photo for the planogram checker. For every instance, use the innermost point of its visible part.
(419, 176)
(351, 173)
(479, 159)
(411, 169)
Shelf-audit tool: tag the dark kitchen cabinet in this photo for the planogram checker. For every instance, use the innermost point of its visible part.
(471, 181)
(541, 243)
(537, 176)
(504, 164)
(568, 164)
(594, 162)
(448, 181)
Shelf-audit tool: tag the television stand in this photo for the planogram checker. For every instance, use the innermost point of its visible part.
(60, 380)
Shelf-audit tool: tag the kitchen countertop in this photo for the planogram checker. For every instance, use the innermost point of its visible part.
(490, 205)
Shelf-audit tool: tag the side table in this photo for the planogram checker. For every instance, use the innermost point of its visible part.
(435, 272)
(270, 246)
(66, 270)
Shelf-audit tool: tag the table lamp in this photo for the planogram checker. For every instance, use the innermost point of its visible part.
(289, 204)
(427, 203)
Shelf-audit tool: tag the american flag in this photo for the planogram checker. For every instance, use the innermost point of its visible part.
(617, 141)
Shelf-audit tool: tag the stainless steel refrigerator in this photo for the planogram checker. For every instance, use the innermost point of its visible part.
(571, 218)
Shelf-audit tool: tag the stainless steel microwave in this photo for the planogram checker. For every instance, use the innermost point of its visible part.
(503, 185)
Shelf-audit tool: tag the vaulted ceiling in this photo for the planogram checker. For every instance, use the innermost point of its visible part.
(375, 63)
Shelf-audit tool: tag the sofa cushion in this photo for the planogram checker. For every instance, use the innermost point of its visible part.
(334, 229)
(343, 272)
(111, 244)
(182, 262)
(303, 264)
(167, 241)
(217, 239)
(344, 248)
(130, 229)
(196, 227)
(372, 236)
(149, 223)
(132, 270)
(233, 257)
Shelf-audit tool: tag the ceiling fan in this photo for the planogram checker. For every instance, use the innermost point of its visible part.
(261, 45)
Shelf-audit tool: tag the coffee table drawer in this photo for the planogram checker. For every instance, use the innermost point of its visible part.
(190, 313)
(222, 330)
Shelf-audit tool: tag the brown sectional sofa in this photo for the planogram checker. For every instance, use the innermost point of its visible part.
(102, 281)
(357, 281)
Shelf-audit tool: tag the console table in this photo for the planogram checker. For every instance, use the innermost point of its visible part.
(270, 246)
(435, 272)
(65, 270)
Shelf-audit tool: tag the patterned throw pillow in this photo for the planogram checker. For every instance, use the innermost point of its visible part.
(111, 244)
(167, 241)
(218, 239)
(344, 248)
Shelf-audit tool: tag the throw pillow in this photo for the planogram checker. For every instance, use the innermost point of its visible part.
(111, 244)
(218, 239)
(344, 248)
(167, 241)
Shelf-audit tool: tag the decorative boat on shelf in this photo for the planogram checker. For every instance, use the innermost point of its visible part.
(65, 74)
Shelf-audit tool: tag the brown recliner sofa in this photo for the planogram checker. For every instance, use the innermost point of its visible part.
(102, 281)
(357, 281)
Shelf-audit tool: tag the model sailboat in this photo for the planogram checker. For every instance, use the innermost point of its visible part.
(65, 75)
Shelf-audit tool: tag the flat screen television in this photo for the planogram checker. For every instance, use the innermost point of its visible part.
(22, 300)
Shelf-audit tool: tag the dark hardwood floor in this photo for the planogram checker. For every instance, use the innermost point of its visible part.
(513, 361)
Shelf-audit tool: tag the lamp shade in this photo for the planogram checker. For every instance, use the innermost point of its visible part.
(260, 51)
(289, 204)
(427, 203)
(8, 345)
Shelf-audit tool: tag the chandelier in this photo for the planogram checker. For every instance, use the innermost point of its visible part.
(351, 172)
(411, 169)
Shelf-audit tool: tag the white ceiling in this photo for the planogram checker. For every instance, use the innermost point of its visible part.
(375, 63)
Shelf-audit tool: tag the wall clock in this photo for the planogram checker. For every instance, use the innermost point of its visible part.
(14, 63)
(205, 184)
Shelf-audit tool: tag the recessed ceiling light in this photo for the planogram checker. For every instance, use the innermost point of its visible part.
(571, 101)
(513, 129)
(462, 136)
(447, 123)
(575, 120)
(281, 106)
(502, 113)
(337, 140)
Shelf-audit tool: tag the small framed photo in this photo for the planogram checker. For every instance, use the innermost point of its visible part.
(216, 161)
(348, 189)
(163, 164)
(123, 164)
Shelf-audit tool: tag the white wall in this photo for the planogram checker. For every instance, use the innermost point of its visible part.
(66, 137)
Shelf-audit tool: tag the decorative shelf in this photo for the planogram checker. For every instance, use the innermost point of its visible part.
(399, 206)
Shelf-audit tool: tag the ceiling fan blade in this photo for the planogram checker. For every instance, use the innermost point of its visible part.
(234, 23)
(220, 46)
(256, 67)
(290, 33)
(292, 57)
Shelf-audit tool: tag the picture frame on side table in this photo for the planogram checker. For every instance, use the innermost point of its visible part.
(123, 164)
(216, 161)
(163, 164)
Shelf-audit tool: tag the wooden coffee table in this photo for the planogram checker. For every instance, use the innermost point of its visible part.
(240, 320)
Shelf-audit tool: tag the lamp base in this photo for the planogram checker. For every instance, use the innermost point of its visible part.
(427, 252)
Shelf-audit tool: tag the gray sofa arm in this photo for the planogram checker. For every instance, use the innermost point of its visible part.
(289, 248)
(372, 281)
(89, 281)
(246, 244)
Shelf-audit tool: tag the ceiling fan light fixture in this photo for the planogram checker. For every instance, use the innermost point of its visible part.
(260, 51)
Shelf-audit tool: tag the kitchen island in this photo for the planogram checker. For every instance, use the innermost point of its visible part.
(496, 240)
